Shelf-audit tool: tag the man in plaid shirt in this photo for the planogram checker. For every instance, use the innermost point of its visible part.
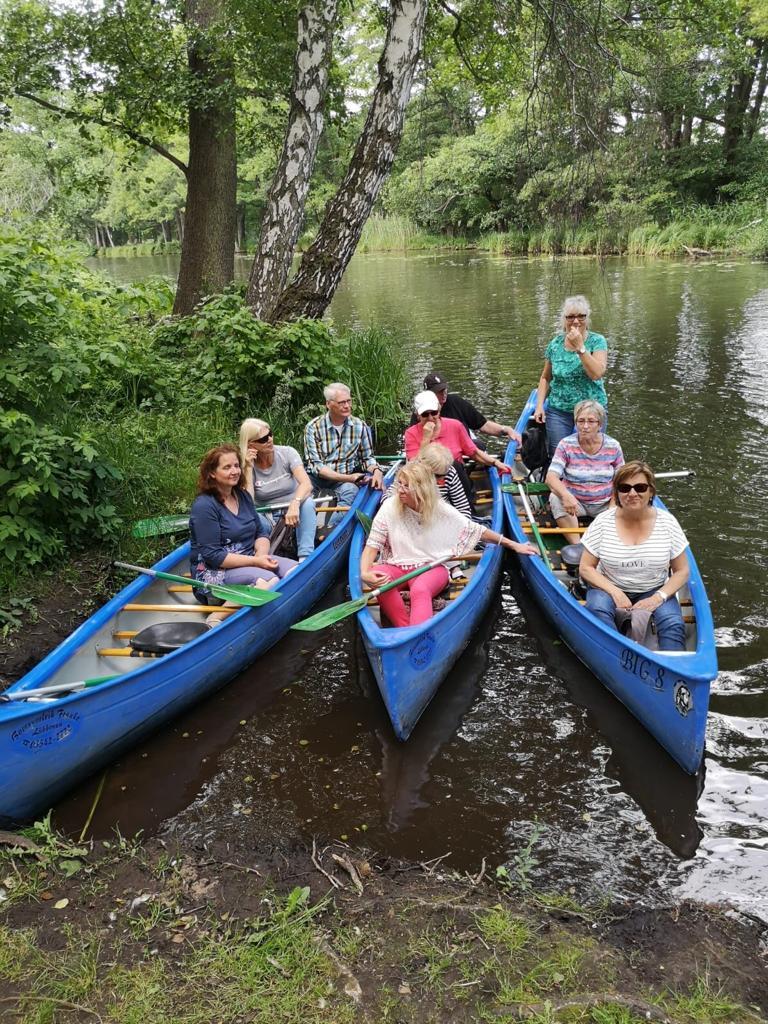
(337, 449)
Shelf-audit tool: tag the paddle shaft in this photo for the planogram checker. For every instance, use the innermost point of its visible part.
(535, 528)
(408, 576)
(237, 592)
(51, 691)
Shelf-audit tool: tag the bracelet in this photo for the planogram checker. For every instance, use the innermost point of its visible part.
(663, 595)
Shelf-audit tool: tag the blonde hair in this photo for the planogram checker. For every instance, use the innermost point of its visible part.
(437, 457)
(420, 479)
(249, 429)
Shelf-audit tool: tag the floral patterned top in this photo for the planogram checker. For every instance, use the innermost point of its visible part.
(570, 384)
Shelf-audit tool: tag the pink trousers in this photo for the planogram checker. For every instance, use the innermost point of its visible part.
(423, 588)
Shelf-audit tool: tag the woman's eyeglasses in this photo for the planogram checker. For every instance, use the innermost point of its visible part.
(401, 485)
(431, 412)
(585, 419)
(261, 440)
(575, 316)
(637, 488)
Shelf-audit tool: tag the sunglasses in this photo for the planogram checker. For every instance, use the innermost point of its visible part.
(432, 412)
(261, 440)
(637, 488)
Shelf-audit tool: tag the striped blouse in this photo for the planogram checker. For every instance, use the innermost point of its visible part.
(587, 477)
(635, 568)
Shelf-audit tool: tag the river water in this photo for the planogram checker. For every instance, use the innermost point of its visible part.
(523, 758)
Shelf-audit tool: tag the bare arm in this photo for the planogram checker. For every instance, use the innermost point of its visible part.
(368, 574)
(542, 391)
(588, 571)
(494, 429)
(680, 574)
(558, 487)
(594, 364)
(490, 537)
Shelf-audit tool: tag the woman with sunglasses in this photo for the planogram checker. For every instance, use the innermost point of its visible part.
(581, 473)
(414, 527)
(575, 361)
(275, 475)
(634, 558)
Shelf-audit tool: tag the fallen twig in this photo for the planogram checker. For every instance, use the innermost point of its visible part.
(334, 881)
(429, 865)
(351, 870)
(13, 839)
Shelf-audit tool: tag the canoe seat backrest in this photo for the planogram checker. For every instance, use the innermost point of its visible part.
(163, 637)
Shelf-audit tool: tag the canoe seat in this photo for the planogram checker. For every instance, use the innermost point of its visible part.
(163, 637)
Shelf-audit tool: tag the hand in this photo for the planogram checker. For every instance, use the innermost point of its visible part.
(429, 429)
(621, 600)
(649, 604)
(376, 480)
(374, 578)
(502, 469)
(570, 504)
(292, 514)
(524, 549)
(573, 338)
(539, 415)
(265, 562)
(513, 435)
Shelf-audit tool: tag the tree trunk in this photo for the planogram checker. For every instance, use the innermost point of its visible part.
(284, 212)
(240, 232)
(179, 216)
(109, 236)
(757, 103)
(737, 105)
(165, 231)
(208, 246)
(326, 259)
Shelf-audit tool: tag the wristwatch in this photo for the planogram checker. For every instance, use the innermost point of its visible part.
(581, 351)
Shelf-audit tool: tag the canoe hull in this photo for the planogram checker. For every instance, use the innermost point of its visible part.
(47, 748)
(410, 663)
(667, 692)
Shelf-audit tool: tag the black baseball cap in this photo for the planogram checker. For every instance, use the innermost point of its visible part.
(435, 382)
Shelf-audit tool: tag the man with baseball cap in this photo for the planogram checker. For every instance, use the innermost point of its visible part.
(432, 426)
(455, 407)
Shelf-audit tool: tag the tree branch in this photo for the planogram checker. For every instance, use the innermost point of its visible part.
(117, 126)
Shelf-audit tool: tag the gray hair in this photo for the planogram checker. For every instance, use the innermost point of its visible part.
(332, 390)
(589, 405)
(575, 304)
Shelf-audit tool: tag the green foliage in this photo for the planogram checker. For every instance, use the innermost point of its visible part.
(235, 359)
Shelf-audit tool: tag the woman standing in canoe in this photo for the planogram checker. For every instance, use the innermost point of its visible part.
(574, 366)
(412, 528)
(229, 540)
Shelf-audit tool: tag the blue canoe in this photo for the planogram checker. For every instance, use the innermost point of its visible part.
(667, 691)
(410, 663)
(47, 746)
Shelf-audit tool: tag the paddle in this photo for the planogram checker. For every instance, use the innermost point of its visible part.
(534, 527)
(365, 521)
(52, 691)
(237, 593)
(172, 524)
(536, 487)
(329, 616)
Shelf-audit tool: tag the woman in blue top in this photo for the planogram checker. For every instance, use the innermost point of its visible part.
(230, 541)
(574, 366)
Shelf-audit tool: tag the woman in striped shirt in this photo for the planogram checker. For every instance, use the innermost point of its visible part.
(582, 469)
(634, 558)
(440, 461)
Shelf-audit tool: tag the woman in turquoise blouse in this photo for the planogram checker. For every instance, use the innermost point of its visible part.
(574, 366)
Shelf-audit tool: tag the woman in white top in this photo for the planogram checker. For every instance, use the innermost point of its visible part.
(630, 551)
(412, 528)
(275, 475)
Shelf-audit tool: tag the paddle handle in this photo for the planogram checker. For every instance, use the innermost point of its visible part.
(51, 691)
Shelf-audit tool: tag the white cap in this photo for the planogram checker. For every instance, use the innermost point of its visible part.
(426, 401)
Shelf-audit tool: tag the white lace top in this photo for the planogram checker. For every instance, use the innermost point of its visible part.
(403, 540)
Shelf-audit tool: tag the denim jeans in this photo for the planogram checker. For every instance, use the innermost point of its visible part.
(670, 629)
(344, 491)
(559, 425)
(306, 529)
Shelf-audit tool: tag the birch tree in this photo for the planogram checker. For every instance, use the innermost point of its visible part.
(324, 263)
(284, 211)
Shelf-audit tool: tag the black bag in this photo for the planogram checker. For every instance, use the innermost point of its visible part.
(534, 450)
(282, 540)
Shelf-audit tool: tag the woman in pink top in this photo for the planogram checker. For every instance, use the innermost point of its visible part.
(451, 433)
(412, 528)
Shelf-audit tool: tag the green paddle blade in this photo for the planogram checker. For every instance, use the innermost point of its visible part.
(160, 525)
(328, 616)
(532, 488)
(365, 521)
(240, 594)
